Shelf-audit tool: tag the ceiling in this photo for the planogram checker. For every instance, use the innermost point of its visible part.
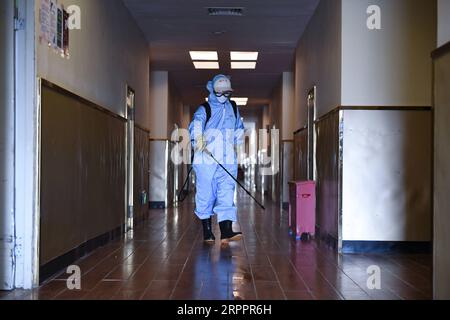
(175, 27)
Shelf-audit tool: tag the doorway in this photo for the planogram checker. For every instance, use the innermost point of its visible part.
(130, 108)
(312, 114)
(250, 155)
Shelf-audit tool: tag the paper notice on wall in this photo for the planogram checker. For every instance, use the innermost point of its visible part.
(44, 19)
(53, 22)
(54, 29)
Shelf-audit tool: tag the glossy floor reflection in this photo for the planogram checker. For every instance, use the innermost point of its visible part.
(165, 258)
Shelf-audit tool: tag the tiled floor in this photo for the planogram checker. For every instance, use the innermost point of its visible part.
(165, 258)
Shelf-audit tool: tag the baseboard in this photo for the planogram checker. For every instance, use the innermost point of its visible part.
(140, 220)
(157, 205)
(405, 247)
(59, 264)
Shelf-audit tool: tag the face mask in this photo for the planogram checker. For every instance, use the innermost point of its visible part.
(222, 99)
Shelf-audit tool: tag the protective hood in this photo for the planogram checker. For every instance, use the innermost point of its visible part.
(212, 99)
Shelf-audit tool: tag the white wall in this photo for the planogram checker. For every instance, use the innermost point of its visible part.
(108, 53)
(318, 62)
(384, 197)
(352, 66)
(159, 101)
(175, 109)
(281, 113)
(166, 106)
(387, 174)
(282, 106)
(287, 112)
(391, 66)
(443, 22)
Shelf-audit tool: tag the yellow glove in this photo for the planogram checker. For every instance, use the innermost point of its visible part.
(201, 144)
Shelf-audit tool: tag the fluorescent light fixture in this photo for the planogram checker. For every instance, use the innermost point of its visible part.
(244, 56)
(240, 101)
(204, 55)
(206, 64)
(243, 65)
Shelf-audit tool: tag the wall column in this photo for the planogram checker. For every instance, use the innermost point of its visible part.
(7, 240)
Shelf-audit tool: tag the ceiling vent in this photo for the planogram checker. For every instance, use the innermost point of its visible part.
(233, 12)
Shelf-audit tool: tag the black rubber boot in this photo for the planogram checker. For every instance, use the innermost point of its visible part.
(227, 233)
(208, 235)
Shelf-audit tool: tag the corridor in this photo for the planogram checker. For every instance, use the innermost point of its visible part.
(334, 114)
(165, 258)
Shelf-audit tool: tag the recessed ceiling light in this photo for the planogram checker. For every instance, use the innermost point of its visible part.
(240, 101)
(206, 64)
(204, 55)
(244, 56)
(243, 65)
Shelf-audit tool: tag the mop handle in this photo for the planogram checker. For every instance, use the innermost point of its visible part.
(240, 185)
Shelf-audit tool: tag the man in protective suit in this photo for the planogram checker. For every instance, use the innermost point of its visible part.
(217, 129)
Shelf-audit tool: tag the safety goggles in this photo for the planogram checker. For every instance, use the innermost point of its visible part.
(223, 94)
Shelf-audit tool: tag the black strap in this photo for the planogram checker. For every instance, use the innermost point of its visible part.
(207, 107)
(235, 108)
